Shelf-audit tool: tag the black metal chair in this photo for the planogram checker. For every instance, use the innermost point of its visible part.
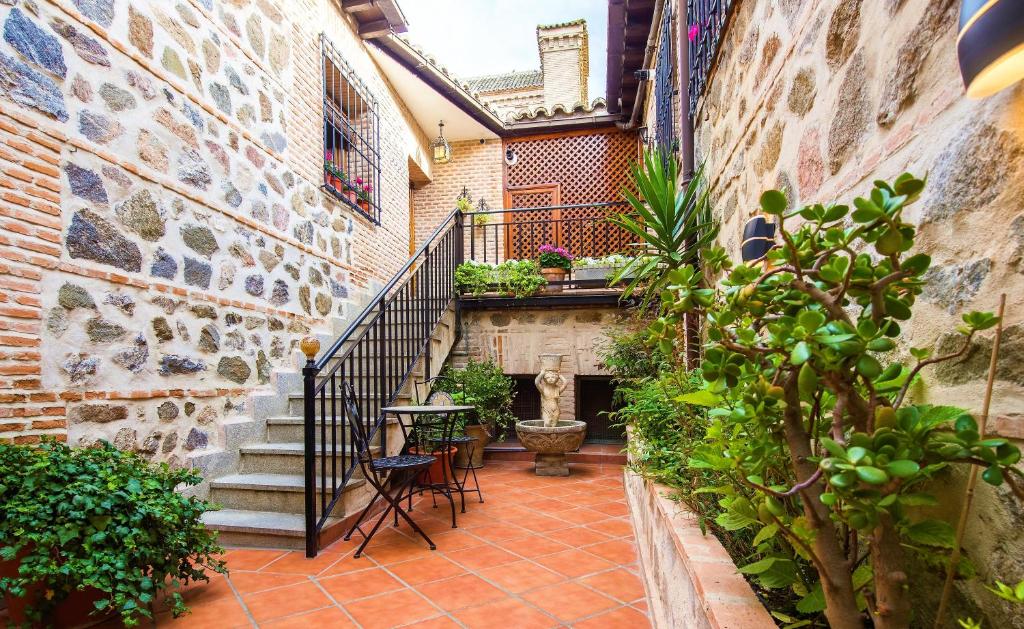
(433, 432)
(443, 398)
(380, 471)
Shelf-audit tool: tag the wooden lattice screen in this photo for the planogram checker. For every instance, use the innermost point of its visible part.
(569, 169)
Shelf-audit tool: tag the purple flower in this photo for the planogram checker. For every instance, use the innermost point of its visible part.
(694, 31)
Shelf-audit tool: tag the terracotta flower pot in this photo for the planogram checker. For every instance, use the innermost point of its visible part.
(553, 274)
(364, 205)
(71, 612)
(352, 196)
(436, 471)
(482, 437)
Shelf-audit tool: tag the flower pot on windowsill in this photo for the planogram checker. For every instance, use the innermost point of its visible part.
(364, 205)
(553, 274)
(352, 196)
(435, 474)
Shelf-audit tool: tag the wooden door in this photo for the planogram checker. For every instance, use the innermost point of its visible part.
(527, 231)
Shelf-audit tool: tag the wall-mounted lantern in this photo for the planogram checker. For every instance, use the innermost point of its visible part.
(758, 239)
(990, 45)
(439, 148)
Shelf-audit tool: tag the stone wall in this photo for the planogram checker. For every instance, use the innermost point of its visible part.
(514, 338)
(164, 239)
(820, 98)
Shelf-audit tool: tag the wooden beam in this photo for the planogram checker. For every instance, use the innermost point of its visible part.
(357, 6)
(376, 28)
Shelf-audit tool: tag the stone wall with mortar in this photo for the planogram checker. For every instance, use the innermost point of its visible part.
(820, 98)
(514, 338)
(164, 239)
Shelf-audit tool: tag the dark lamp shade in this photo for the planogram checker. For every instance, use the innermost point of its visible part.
(758, 239)
(990, 45)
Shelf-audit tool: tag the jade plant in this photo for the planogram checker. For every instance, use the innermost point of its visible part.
(100, 518)
(828, 457)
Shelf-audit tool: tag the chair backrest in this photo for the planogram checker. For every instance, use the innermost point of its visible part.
(440, 398)
(355, 420)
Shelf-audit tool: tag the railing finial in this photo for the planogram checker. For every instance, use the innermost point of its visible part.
(310, 347)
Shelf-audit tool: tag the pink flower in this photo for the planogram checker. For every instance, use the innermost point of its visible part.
(368, 187)
(694, 31)
(359, 180)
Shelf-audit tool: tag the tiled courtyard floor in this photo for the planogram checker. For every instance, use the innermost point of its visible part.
(540, 552)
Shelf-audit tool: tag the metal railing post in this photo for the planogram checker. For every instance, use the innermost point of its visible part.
(310, 346)
(382, 365)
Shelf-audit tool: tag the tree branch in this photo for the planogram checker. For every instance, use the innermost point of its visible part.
(931, 361)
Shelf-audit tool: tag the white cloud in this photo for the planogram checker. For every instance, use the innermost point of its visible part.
(474, 37)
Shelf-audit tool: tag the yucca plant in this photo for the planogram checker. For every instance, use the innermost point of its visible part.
(670, 226)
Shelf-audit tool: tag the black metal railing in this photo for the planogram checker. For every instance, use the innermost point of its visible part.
(664, 88)
(376, 354)
(705, 23)
(495, 236)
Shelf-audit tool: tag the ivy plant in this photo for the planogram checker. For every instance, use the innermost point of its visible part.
(807, 396)
(100, 518)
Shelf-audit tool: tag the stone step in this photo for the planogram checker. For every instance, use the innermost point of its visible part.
(280, 493)
(289, 428)
(265, 529)
(296, 403)
(281, 458)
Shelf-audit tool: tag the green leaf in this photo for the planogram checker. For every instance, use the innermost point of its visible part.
(759, 566)
(872, 475)
(766, 533)
(807, 380)
(931, 533)
(903, 468)
(855, 454)
(700, 398)
(800, 354)
(993, 476)
(814, 602)
(773, 202)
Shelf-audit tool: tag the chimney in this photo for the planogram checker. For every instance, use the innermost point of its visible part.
(565, 63)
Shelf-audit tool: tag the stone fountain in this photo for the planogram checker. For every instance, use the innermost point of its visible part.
(550, 437)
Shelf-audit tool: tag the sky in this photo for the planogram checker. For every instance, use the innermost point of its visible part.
(474, 37)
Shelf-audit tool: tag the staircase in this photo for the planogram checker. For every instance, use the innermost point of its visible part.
(386, 353)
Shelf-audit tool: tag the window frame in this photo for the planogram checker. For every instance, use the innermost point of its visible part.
(361, 158)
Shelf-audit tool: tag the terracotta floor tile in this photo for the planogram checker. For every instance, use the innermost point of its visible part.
(617, 551)
(532, 546)
(460, 592)
(361, 584)
(615, 508)
(505, 613)
(577, 536)
(569, 601)
(456, 540)
(616, 527)
(549, 505)
(346, 564)
(521, 576)
(621, 618)
(394, 553)
(482, 557)
(285, 601)
(574, 563)
(393, 609)
(425, 570)
(327, 617)
(249, 582)
(296, 562)
(499, 532)
(540, 523)
(441, 622)
(226, 612)
(581, 515)
(250, 559)
(619, 583)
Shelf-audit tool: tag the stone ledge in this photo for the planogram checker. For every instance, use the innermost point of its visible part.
(690, 579)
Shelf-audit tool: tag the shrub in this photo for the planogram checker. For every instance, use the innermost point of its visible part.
(824, 456)
(473, 277)
(512, 278)
(552, 257)
(485, 386)
(101, 518)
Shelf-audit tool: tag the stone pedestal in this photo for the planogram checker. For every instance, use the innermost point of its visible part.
(551, 465)
(551, 443)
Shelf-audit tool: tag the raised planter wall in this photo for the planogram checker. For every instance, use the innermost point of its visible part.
(691, 581)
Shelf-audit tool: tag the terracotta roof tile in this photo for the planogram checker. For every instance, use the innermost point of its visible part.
(506, 81)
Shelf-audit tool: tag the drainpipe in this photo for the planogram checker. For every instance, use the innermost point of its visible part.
(641, 90)
(691, 321)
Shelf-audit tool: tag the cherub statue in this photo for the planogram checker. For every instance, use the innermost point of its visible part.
(550, 383)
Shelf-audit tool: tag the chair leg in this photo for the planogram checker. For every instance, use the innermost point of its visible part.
(359, 520)
(394, 503)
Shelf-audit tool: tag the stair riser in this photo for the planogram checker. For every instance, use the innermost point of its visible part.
(266, 500)
(292, 433)
(271, 463)
(232, 539)
(295, 405)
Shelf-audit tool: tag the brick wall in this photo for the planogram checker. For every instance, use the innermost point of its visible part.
(165, 240)
(563, 58)
(475, 166)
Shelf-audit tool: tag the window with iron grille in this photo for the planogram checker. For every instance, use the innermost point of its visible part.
(351, 135)
(664, 132)
(706, 23)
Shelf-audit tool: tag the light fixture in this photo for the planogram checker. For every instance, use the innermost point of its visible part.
(990, 45)
(758, 239)
(645, 135)
(439, 148)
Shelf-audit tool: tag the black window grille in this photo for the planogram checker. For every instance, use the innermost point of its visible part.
(705, 24)
(351, 135)
(664, 87)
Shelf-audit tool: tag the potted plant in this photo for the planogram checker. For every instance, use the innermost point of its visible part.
(484, 386)
(352, 192)
(555, 263)
(518, 278)
(364, 197)
(96, 531)
(590, 269)
(435, 473)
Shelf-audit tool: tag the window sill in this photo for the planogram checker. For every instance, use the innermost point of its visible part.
(368, 214)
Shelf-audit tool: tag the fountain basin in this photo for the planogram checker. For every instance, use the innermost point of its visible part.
(551, 443)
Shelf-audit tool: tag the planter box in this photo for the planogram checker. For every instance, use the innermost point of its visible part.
(690, 579)
(594, 272)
